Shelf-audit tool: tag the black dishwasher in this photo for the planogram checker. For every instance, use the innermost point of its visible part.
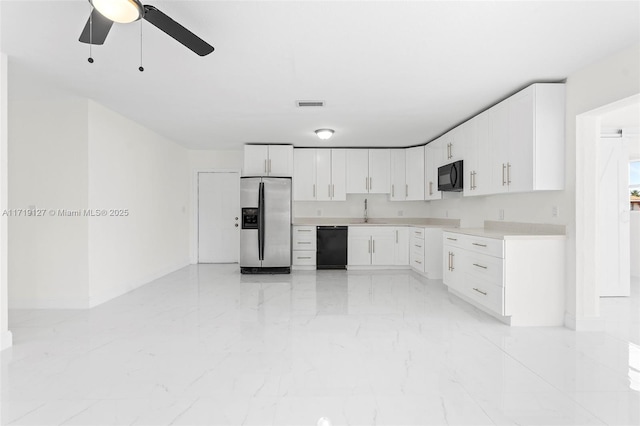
(331, 247)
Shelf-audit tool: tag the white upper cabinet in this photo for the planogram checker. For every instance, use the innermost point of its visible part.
(477, 160)
(433, 158)
(526, 138)
(379, 171)
(304, 175)
(368, 171)
(414, 189)
(454, 145)
(268, 160)
(319, 175)
(323, 174)
(398, 175)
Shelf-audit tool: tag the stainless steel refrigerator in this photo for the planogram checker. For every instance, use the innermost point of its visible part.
(265, 236)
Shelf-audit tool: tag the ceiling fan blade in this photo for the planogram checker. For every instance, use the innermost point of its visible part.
(177, 31)
(101, 27)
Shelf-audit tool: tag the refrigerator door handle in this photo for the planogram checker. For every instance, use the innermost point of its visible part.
(261, 221)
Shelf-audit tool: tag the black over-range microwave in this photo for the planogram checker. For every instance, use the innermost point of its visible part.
(450, 177)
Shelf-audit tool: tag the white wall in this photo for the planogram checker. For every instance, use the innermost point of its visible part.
(379, 206)
(5, 334)
(609, 80)
(206, 160)
(48, 262)
(81, 155)
(134, 169)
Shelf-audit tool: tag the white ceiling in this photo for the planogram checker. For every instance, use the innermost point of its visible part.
(393, 73)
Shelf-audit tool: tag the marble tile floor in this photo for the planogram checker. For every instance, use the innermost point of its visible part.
(208, 346)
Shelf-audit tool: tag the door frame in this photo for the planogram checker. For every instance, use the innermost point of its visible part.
(193, 245)
(587, 297)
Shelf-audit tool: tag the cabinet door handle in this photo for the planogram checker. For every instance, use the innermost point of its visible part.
(369, 245)
(430, 188)
(370, 184)
(314, 190)
(329, 190)
(452, 258)
(366, 183)
(449, 261)
(479, 266)
(396, 236)
(508, 173)
(373, 245)
(480, 291)
(265, 166)
(406, 190)
(479, 245)
(393, 192)
(504, 181)
(269, 165)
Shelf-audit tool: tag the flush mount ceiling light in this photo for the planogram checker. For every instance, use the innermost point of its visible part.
(121, 11)
(324, 134)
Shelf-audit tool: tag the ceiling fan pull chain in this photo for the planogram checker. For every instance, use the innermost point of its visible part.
(141, 68)
(90, 59)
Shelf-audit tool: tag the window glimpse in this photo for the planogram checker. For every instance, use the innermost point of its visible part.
(634, 174)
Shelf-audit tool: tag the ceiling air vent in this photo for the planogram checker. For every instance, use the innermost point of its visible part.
(309, 103)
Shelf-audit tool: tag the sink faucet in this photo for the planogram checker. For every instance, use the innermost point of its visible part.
(366, 213)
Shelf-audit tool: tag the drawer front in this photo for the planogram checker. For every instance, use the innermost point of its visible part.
(304, 238)
(304, 245)
(455, 240)
(488, 295)
(489, 246)
(304, 258)
(482, 267)
(416, 260)
(417, 245)
(417, 233)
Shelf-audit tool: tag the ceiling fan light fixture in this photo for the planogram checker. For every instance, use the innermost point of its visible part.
(121, 11)
(324, 134)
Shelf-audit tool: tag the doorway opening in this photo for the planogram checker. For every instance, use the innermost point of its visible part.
(607, 261)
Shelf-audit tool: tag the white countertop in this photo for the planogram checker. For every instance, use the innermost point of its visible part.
(338, 221)
(512, 230)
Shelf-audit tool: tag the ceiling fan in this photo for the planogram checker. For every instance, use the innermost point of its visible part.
(106, 12)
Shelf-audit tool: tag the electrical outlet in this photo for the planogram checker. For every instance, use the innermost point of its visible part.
(501, 214)
(555, 212)
(319, 212)
(400, 213)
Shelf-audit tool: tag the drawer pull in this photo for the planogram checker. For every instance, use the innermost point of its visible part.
(479, 245)
(416, 245)
(452, 239)
(303, 230)
(304, 257)
(304, 242)
(479, 266)
(480, 291)
(417, 261)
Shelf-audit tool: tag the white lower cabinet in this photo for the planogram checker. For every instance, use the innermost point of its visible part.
(377, 246)
(303, 246)
(425, 246)
(519, 279)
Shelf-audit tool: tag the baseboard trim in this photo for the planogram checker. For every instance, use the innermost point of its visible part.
(583, 324)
